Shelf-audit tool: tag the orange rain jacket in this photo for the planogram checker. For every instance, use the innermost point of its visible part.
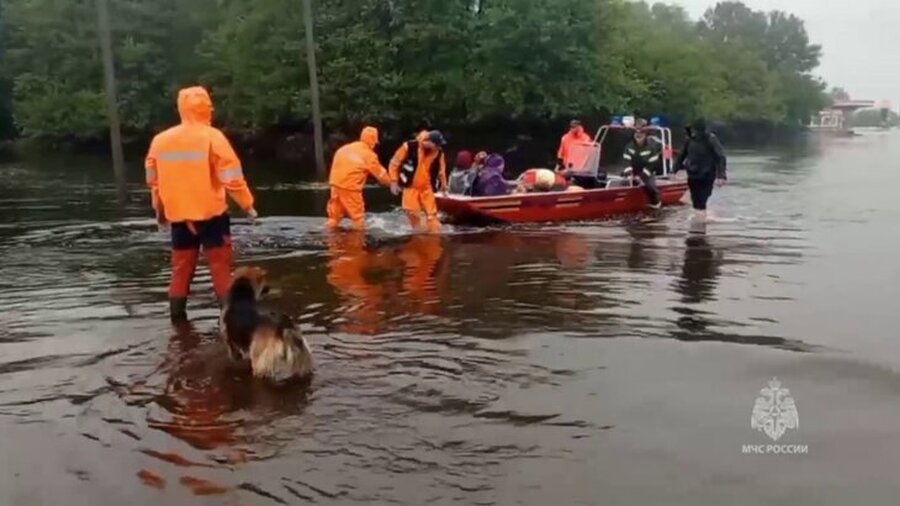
(355, 161)
(422, 179)
(569, 140)
(191, 166)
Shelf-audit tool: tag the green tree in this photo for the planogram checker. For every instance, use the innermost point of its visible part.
(395, 62)
(838, 94)
(671, 70)
(538, 58)
(53, 59)
(768, 60)
(786, 45)
(733, 22)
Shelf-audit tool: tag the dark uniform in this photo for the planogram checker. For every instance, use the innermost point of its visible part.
(643, 160)
(704, 159)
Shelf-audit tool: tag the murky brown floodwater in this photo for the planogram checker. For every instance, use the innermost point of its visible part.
(594, 363)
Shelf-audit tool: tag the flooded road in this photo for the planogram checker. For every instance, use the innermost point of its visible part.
(590, 363)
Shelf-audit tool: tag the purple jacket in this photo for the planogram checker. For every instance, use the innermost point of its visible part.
(490, 182)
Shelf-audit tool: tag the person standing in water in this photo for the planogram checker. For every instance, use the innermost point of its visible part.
(419, 169)
(190, 168)
(705, 163)
(353, 164)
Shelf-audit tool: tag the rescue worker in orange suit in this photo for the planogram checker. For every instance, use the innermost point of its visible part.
(351, 166)
(190, 168)
(419, 168)
(575, 135)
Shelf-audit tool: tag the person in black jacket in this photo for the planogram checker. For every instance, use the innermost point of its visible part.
(643, 156)
(704, 161)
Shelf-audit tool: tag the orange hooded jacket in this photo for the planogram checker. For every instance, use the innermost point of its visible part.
(190, 167)
(355, 161)
(422, 179)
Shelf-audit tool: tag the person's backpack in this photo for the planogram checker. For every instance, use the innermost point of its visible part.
(408, 169)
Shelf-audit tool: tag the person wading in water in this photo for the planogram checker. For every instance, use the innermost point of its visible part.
(419, 169)
(704, 161)
(190, 169)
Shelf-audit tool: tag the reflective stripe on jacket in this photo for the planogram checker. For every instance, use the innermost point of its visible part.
(190, 167)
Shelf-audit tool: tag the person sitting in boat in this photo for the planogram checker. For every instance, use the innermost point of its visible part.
(541, 180)
(489, 182)
(480, 158)
(643, 155)
(463, 175)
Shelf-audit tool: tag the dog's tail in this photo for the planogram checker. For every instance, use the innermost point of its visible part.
(280, 353)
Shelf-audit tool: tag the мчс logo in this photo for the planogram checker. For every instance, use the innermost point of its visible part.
(774, 411)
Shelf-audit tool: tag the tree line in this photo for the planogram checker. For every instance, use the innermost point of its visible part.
(460, 62)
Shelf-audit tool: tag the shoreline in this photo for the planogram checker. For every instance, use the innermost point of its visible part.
(296, 145)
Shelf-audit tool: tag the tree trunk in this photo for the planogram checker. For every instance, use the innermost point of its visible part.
(112, 106)
(314, 88)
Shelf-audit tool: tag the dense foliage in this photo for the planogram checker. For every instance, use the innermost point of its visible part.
(397, 61)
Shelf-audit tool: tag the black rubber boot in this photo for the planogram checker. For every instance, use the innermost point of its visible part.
(178, 309)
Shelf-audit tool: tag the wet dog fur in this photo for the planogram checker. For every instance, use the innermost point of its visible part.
(271, 342)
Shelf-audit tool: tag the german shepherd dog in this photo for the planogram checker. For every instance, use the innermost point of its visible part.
(270, 341)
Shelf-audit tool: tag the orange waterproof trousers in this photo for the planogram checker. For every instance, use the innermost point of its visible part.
(346, 203)
(421, 200)
(214, 236)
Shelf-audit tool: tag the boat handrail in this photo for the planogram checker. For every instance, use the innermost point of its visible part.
(664, 137)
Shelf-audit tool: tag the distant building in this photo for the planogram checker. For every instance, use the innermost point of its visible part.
(835, 118)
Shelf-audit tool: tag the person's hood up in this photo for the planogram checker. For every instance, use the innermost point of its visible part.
(494, 163)
(369, 136)
(464, 160)
(195, 106)
(698, 126)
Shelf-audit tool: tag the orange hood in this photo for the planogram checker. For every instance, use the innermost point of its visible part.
(578, 132)
(195, 106)
(369, 136)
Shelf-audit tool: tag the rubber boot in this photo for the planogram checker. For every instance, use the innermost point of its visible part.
(178, 309)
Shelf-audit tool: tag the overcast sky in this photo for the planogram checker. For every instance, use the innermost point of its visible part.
(860, 40)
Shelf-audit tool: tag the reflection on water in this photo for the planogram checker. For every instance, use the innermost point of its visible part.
(455, 368)
(697, 283)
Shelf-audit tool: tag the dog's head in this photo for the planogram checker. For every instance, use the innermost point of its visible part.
(255, 277)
